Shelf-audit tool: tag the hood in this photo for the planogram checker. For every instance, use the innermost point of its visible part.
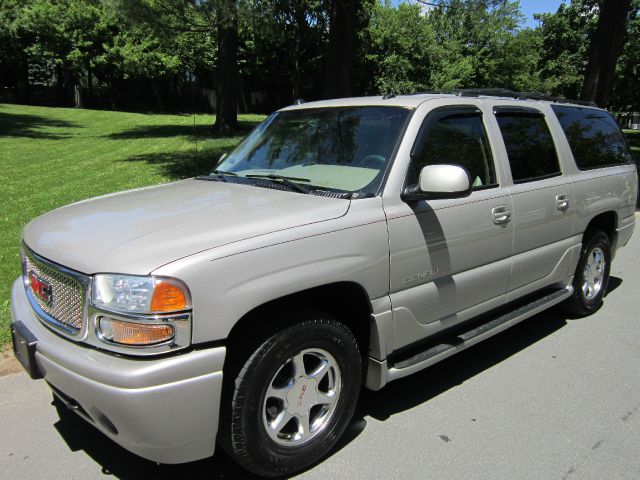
(139, 230)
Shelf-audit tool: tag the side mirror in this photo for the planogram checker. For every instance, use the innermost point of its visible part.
(439, 181)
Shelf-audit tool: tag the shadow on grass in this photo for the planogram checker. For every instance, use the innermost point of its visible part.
(178, 165)
(395, 398)
(31, 126)
(191, 131)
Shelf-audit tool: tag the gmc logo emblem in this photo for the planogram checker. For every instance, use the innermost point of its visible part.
(40, 288)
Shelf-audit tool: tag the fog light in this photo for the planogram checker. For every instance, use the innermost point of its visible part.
(129, 333)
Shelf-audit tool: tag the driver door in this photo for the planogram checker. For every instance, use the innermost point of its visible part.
(450, 258)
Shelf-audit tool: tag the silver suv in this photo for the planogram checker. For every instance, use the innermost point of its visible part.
(342, 244)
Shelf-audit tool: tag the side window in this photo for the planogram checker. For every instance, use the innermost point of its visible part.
(594, 137)
(457, 139)
(532, 154)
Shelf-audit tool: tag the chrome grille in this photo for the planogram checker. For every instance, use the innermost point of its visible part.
(67, 293)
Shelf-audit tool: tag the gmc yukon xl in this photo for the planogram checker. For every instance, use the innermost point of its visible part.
(343, 244)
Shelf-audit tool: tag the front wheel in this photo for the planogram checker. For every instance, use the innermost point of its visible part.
(293, 398)
(592, 275)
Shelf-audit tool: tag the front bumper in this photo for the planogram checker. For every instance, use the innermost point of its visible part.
(165, 410)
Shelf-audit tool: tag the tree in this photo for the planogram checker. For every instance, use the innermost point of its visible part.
(219, 17)
(606, 45)
(60, 39)
(474, 43)
(397, 50)
(283, 48)
(136, 55)
(13, 61)
(565, 37)
(626, 94)
(227, 73)
(338, 78)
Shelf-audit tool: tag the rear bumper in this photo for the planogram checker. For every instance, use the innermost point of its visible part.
(165, 410)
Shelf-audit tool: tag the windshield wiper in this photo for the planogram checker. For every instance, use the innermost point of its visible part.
(217, 175)
(222, 172)
(288, 181)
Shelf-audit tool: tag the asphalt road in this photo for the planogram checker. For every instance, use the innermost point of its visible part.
(553, 398)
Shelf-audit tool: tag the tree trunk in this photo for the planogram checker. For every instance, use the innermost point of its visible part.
(227, 68)
(24, 73)
(77, 94)
(157, 94)
(113, 94)
(89, 85)
(61, 96)
(605, 49)
(296, 54)
(338, 78)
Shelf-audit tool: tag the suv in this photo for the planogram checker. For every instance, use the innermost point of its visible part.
(342, 244)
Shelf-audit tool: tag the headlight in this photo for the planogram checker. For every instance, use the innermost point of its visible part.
(139, 294)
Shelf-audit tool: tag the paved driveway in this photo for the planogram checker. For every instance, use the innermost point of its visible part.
(553, 398)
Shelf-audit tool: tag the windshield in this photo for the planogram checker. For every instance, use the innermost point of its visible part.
(344, 149)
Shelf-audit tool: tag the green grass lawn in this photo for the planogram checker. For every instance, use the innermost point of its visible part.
(54, 156)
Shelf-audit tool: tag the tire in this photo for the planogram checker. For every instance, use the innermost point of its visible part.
(311, 370)
(590, 282)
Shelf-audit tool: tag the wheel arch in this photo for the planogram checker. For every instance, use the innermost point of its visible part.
(607, 222)
(347, 301)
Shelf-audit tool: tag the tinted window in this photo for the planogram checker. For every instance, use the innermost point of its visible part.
(461, 140)
(532, 154)
(594, 137)
(343, 148)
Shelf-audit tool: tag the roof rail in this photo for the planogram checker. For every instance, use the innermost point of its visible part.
(505, 92)
(487, 92)
(577, 102)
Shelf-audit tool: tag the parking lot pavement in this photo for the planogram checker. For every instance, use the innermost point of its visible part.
(552, 398)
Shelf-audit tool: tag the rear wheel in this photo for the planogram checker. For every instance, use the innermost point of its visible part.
(592, 275)
(293, 397)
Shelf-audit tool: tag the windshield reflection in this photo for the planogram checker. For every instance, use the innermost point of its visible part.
(342, 149)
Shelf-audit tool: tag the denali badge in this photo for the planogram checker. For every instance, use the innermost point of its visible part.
(40, 288)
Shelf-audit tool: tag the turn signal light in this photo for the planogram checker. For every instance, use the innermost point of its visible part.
(129, 333)
(168, 297)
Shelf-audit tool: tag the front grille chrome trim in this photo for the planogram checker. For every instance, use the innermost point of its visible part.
(89, 333)
(48, 319)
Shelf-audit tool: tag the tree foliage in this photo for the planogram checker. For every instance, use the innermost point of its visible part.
(258, 55)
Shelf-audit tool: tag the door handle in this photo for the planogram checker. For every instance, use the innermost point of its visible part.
(562, 202)
(501, 215)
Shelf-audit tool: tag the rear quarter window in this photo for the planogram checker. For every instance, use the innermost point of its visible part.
(594, 137)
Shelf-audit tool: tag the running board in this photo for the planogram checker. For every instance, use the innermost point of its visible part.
(469, 338)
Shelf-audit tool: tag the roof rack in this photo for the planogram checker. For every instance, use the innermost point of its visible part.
(505, 92)
(577, 102)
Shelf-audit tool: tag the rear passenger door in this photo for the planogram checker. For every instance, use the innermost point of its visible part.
(543, 200)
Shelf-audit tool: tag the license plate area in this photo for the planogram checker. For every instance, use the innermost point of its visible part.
(24, 348)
